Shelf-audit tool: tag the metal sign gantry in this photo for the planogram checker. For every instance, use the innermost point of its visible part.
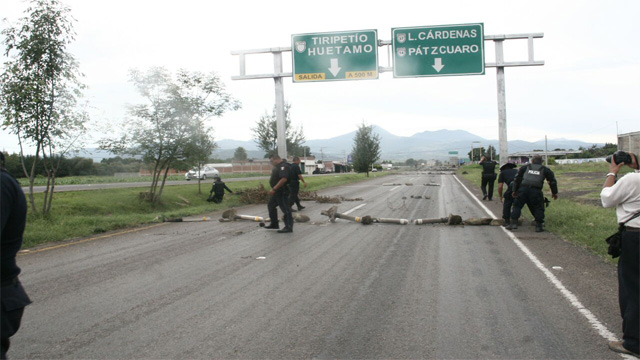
(499, 64)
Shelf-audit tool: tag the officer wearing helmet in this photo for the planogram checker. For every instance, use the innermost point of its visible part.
(527, 189)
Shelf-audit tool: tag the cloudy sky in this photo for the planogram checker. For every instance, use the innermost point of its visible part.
(587, 90)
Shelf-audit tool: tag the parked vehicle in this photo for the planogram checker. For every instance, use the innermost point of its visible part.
(207, 171)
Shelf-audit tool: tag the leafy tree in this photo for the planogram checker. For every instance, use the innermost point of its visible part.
(39, 90)
(240, 154)
(366, 149)
(491, 153)
(411, 162)
(170, 123)
(476, 153)
(200, 148)
(266, 134)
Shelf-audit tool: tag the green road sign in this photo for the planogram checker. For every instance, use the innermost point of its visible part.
(345, 55)
(453, 153)
(441, 50)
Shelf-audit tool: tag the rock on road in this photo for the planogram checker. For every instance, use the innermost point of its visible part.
(329, 290)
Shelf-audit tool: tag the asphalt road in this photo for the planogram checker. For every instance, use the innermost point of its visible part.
(329, 290)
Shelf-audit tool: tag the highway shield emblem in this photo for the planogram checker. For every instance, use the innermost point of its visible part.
(402, 51)
(401, 37)
(301, 46)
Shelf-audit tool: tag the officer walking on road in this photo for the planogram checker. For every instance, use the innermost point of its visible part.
(527, 189)
(279, 195)
(508, 173)
(488, 176)
(13, 211)
(217, 190)
(294, 183)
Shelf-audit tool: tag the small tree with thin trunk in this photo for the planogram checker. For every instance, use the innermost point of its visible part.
(39, 89)
(366, 149)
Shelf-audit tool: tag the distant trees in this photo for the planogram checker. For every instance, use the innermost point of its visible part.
(240, 154)
(266, 134)
(594, 151)
(39, 90)
(476, 153)
(366, 149)
(169, 125)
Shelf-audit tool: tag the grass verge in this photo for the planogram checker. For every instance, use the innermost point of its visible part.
(576, 216)
(81, 180)
(84, 213)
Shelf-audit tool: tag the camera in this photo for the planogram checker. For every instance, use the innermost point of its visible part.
(620, 157)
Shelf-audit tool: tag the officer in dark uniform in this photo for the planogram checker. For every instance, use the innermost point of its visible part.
(13, 298)
(507, 175)
(217, 190)
(279, 195)
(294, 184)
(527, 189)
(488, 176)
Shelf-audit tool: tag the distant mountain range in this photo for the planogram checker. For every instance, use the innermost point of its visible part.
(425, 145)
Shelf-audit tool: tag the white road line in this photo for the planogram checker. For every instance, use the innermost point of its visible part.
(395, 188)
(595, 323)
(354, 209)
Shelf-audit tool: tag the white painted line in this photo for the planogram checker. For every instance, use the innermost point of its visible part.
(354, 209)
(595, 323)
(395, 188)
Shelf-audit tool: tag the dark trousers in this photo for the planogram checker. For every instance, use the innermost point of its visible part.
(628, 283)
(13, 299)
(294, 189)
(488, 179)
(507, 203)
(533, 198)
(279, 199)
(217, 198)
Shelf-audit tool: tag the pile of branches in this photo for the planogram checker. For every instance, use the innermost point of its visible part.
(256, 195)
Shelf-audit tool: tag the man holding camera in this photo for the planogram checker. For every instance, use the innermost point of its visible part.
(625, 196)
(527, 189)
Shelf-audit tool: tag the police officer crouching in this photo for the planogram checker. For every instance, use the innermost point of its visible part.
(527, 189)
(217, 190)
(508, 173)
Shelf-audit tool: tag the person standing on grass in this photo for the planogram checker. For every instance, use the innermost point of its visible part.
(625, 196)
(13, 211)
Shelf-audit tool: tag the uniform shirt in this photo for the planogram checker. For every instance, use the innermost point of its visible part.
(294, 172)
(219, 187)
(546, 172)
(488, 167)
(507, 175)
(625, 196)
(14, 216)
(278, 172)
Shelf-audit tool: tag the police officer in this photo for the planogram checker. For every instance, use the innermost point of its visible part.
(507, 175)
(527, 189)
(217, 190)
(13, 298)
(295, 177)
(279, 193)
(488, 176)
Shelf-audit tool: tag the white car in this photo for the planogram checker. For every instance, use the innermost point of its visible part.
(203, 174)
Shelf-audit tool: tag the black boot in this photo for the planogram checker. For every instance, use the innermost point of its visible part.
(273, 226)
(300, 207)
(513, 224)
(506, 222)
(539, 227)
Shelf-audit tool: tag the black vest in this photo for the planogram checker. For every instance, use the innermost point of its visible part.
(533, 176)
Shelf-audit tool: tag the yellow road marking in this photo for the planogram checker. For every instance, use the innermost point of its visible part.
(26, 252)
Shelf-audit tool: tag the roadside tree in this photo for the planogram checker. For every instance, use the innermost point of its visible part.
(266, 134)
(240, 154)
(366, 149)
(39, 91)
(169, 125)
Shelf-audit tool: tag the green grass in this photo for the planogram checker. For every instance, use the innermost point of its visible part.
(80, 180)
(84, 213)
(577, 215)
